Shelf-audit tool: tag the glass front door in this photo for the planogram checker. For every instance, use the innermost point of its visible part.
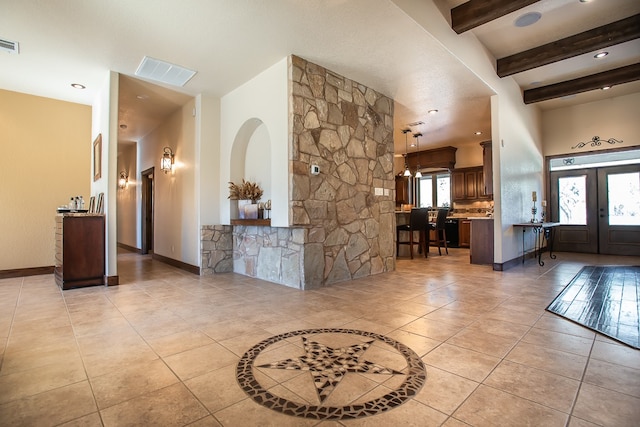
(619, 210)
(598, 209)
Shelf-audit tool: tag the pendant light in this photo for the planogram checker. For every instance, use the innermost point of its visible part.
(417, 136)
(407, 172)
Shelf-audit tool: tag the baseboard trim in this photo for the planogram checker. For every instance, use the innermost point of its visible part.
(129, 248)
(175, 263)
(23, 272)
(111, 280)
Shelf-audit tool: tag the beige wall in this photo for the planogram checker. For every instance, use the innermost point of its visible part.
(617, 118)
(128, 217)
(46, 145)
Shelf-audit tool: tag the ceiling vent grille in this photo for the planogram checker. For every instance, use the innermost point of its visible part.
(9, 46)
(164, 72)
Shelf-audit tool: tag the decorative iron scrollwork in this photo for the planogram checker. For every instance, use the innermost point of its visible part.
(568, 161)
(596, 142)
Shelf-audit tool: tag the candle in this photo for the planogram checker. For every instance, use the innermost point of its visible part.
(534, 197)
(544, 203)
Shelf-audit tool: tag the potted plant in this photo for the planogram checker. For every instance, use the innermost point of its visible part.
(247, 194)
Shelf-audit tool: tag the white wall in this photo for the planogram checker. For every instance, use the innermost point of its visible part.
(257, 164)
(616, 118)
(515, 129)
(176, 211)
(263, 99)
(105, 121)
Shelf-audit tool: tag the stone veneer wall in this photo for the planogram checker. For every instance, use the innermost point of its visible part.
(216, 249)
(273, 254)
(345, 128)
(340, 229)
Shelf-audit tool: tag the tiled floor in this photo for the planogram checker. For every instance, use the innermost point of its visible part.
(163, 349)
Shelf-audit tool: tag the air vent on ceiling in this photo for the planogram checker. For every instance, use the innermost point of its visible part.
(164, 72)
(9, 46)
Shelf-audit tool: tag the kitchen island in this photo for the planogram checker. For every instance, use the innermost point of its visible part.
(481, 248)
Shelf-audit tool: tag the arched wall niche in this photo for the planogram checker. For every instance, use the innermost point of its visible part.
(251, 158)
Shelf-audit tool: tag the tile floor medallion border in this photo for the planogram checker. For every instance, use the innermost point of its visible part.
(328, 365)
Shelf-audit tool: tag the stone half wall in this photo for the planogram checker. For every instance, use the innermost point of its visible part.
(346, 129)
(216, 249)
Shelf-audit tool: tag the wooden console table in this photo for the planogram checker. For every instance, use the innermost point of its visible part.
(543, 232)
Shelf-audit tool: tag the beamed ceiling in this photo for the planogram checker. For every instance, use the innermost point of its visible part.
(486, 19)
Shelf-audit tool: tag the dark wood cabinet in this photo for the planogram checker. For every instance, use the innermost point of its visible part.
(405, 190)
(464, 233)
(487, 169)
(79, 250)
(468, 184)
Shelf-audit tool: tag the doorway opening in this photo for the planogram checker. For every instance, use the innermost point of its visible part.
(147, 211)
(596, 200)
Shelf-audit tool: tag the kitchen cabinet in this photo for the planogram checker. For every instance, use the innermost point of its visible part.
(468, 184)
(481, 250)
(79, 259)
(405, 189)
(464, 233)
(487, 168)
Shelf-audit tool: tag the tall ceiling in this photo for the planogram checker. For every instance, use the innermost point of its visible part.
(230, 41)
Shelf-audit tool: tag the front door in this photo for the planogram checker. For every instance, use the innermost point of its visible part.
(619, 210)
(598, 209)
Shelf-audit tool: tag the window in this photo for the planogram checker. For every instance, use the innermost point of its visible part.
(572, 200)
(435, 190)
(623, 192)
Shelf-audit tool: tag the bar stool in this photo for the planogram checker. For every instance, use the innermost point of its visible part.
(440, 235)
(417, 222)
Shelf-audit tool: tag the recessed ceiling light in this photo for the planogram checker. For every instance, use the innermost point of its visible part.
(605, 87)
(585, 1)
(600, 55)
(478, 133)
(528, 19)
(78, 86)
(142, 97)
(432, 111)
(413, 144)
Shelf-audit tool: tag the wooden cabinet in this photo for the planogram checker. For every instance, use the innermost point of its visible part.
(487, 169)
(79, 250)
(481, 250)
(405, 189)
(468, 184)
(464, 233)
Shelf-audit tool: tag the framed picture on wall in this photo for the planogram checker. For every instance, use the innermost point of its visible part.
(97, 157)
(100, 204)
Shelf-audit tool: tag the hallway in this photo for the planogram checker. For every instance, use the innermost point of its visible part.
(163, 349)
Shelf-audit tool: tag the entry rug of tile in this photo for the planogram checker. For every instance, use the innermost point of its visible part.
(329, 356)
(605, 299)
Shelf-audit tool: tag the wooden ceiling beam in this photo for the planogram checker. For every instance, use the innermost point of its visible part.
(589, 41)
(613, 77)
(477, 12)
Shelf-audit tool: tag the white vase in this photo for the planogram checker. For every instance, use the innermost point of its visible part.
(251, 211)
(241, 208)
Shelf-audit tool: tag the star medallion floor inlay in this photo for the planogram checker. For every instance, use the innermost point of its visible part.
(330, 373)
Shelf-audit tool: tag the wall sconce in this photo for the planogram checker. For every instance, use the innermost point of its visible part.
(166, 163)
(124, 180)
